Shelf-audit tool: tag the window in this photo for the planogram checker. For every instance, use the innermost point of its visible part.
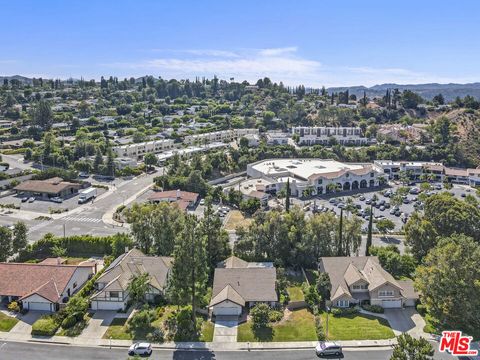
(74, 285)
(114, 294)
(320, 181)
(385, 293)
(343, 303)
(360, 287)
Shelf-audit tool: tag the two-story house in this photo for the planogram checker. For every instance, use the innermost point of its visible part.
(112, 285)
(360, 280)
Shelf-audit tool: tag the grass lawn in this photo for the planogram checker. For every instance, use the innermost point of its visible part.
(235, 219)
(119, 330)
(295, 293)
(300, 326)
(7, 322)
(357, 327)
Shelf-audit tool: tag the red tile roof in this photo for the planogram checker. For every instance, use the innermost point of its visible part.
(172, 195)
(49, 281)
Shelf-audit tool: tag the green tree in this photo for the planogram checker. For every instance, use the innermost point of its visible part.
(42, 115)
(19, 233)
(369, 234)
(98, 162)
(409, 348)
(138, 288)
(260, 315)
(324, 286)
(384, 226)
(190, 267)
(287, 196)
(5, 243)
(448, 280)
(250, 206)
(150, 160)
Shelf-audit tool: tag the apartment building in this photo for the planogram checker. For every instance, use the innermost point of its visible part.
(138, 151)
(317, 135)
(218, 136)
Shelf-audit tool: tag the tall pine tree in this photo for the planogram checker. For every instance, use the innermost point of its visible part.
(369, 235)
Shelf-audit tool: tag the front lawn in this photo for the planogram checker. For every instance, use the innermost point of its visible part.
(300, 326)
(120, 330)
(356, 327)
(76, 329)
(7, 322)
(236, 219)
(295, 293)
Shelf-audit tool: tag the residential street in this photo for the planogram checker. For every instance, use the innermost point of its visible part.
(32, 351)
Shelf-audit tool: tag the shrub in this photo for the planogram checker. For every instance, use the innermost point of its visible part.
(142, 319)
(45, 326)
(13, 306)
(260, 315)
(422, 310)
(156, 335)
(311, 296)
(336, 312)
(346, 311)
(275, 316)
(69, 321)
(374, 308)
(319, 329)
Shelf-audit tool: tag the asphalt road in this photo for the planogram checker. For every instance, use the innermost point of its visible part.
(31, 351)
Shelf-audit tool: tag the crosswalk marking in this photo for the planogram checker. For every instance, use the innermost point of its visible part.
(82, 219)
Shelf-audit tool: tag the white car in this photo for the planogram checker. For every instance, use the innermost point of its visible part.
(140, 349)
(202, 202)
(325, 348)
(31, 199)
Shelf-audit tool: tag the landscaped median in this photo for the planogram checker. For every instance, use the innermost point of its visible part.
(7, 322)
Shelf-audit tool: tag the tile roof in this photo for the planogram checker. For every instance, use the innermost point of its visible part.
(24, 279)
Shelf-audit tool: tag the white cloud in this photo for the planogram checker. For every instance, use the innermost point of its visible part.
(280, 64)
(278, 51)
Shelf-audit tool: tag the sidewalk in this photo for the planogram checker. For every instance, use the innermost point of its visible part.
(219, 346)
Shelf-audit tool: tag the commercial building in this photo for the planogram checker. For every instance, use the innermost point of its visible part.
(317, 135)
(138, 151)
(314, 176)
(49, 188)
(218, 136)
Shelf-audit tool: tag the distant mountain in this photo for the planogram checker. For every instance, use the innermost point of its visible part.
(427, 91)
(20, 78)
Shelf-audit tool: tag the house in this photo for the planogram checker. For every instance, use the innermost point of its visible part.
(49, 188)
(184, 199)
(112, 285)
(238, 285)
(361, 279)
(44, 286)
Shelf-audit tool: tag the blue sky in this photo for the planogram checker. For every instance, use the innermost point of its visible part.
(315, 43)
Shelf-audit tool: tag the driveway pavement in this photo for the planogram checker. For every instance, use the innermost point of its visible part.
(98, 324)
(406, 320)
(24, 326)
(225, 329)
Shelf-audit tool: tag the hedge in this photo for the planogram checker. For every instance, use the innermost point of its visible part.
(45, 326)
(77, 246)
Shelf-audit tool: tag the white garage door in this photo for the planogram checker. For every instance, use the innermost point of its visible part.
(107, 305)
(227, 310)
(389, 304)
(39, 306)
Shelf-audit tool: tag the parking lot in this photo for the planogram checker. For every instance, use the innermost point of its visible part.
(382, 207)
(43, 205)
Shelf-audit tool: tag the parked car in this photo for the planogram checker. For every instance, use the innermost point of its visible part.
(414, 191)
(392, 211)
(368, 201)
(25, 199)
(463, 195)
(332, 201)
(325, 348)
(361, 198)
(202, 202)
(387, 205)
(57, 199)
(382, 208)
(31, 199)
(84, 175)
(406, 201)
(382, 202)
(438, 187)
(140, 349)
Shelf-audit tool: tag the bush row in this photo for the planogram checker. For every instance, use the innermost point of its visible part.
(374, 308)
(76, 246)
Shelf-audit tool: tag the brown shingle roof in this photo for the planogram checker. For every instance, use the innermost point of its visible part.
(228, 293)
(22, 280)
(253, 284)
(174, 195)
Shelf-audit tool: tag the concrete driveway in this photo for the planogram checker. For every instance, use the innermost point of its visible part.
(98, 324)
(226, 328)
(24, 325)
(405, 320)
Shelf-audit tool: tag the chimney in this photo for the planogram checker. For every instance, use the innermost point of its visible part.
(178, 194)
(126, 249)
(59, 261)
